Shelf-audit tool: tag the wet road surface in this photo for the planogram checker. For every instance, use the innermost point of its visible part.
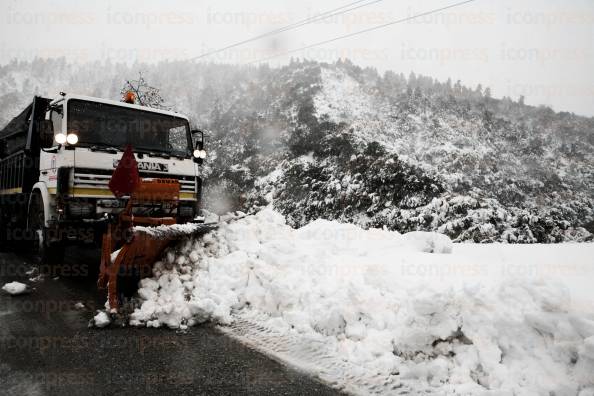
(46, 347)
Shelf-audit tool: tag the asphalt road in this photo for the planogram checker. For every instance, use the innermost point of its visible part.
(46, 347)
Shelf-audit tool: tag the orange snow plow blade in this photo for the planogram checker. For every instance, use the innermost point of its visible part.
(144, 229)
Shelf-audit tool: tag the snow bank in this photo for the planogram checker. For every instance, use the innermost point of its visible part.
(391, 305)
(429, 242)
(15, 288)
(101, 319)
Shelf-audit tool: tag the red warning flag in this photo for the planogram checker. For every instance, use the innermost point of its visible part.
(125, 177)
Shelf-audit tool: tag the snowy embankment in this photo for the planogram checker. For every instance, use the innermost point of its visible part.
(375, 311)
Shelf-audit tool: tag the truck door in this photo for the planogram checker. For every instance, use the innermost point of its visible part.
(49, 157)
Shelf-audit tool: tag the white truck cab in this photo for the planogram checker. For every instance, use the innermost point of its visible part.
(59, 155)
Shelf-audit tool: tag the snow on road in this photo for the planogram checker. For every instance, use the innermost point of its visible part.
(376, 311)
(101, 319)
(15, 288)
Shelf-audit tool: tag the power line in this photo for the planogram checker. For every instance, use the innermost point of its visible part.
(295, 25)
(363, 31)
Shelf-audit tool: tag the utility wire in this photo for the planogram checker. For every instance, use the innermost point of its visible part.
(319, 17)
(363, 31)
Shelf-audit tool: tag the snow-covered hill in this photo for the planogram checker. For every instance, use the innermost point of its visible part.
(487, 143)
(336, 141)
(505, 171)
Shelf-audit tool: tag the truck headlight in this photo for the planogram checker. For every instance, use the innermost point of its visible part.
(60, 138)
(200, 154)
(72, 138)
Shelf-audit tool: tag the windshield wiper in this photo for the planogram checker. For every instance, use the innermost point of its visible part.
(107, 149)
(153, 153)
(157, 154)
(113, 150)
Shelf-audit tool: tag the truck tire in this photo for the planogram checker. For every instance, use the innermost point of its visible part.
(49, 252)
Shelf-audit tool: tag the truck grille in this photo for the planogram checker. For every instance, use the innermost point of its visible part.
(99, 179)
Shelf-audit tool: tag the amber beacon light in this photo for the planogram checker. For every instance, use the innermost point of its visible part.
(130, 97)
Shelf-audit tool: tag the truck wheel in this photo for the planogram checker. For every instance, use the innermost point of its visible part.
(49, 252)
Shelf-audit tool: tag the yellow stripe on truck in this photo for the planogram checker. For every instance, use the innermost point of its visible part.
(93, 192)
(86, 191)
(187, 195)
(11, 191)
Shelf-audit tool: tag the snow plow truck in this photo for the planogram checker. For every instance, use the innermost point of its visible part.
(80, 169)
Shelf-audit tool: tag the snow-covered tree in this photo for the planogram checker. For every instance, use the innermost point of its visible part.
(144, 94)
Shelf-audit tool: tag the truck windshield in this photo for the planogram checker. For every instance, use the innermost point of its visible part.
(100, 124)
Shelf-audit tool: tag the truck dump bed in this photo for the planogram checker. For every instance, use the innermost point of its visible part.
(14, 135)
(19, 139)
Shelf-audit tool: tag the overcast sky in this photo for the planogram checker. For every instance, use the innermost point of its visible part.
(543, 49)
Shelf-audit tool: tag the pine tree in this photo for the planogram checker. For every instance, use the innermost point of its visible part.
(458, 88)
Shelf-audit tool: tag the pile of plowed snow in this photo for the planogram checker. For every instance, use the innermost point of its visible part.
(437, 316)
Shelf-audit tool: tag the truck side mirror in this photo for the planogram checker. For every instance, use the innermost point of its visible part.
(198, 153)
(46, 133)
